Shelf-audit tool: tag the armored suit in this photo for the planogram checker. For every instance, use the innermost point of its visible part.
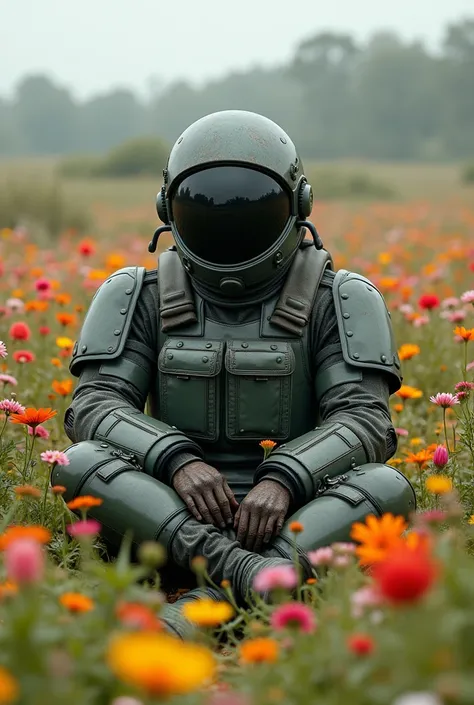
(243, 333)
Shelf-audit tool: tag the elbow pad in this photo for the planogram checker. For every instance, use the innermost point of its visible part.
(150, 442)
(305, 462)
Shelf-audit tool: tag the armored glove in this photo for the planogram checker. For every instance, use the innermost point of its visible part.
(261, 514)
(206, 493)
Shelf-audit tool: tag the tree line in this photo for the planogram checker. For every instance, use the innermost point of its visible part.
(384, 99)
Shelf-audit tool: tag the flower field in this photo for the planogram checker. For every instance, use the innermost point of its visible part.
(387, 619)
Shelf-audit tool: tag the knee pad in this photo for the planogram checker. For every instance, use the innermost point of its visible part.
(369, 489)
(132, 500)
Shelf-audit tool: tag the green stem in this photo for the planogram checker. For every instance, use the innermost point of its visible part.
(445, 429)
(464, 371)
(3, 426)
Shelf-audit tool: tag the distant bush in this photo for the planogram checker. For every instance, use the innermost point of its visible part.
(144, 156)
(333, 184)
(39, 206)
(467, 176)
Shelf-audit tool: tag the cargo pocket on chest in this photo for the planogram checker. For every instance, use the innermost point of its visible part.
(188, 381)
(259, 380)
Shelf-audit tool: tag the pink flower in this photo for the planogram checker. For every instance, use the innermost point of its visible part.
(464, 386)
(401, 432)
(15, 305)
(440, 456)
(10, 406)
(55, 456)
(87, 527)
(3, 350)
(462, 396)
(8, 379)
(322, 556)
(468, 297)
(294, 614)
(445, 399)
(341, 561)
(457, 316)
(406, 309)
(470, 366)
(283, 576)
(39, 431)
(431, 516)
(24, 561)
(364, 597)
(420, 321)
(42, 284)
(126, 700)
(344, 547)
(450, 302)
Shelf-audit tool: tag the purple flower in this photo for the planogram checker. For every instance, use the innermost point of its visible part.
(440, 456)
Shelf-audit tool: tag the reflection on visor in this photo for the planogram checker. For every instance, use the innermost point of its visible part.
(228, 214)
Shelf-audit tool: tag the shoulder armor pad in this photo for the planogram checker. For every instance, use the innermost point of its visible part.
(108, 320)
(365, 327)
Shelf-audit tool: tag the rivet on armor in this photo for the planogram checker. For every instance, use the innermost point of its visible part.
(353, 464)
(369, 288)
(208, 345)
(242, 430)
(279, 359)
(346, 315)
(84, 348)
(356, 356)
(170, 356)
(110, 348)
(128, 291)
(245, 345)
(179, 344)
(205, 358)
(123, 311)
(353, 459)
(282, 140)
(180, 140)
(273, 347)
(104, 445)
(349, 333)
(344, 296)
(383, 358)
(117, 331)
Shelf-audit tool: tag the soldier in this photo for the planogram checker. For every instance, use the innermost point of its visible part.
(243, 333)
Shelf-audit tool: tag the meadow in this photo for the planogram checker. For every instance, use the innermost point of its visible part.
(386, 620)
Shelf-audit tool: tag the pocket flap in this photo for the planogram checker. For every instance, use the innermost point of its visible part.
(259, 358)
(196, 358)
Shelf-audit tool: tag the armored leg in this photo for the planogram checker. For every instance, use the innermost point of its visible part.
(369, 489)
(172, 615)
(136, 502)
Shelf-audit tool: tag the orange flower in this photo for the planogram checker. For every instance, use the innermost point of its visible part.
(9, 688)
(62, 388)
(62, 299)
(377, 537)
(138, 616)
(407, 392)
(33, 417)
(267, 445)
(420, 458)
(27, 491)
(36, 305)
(8, 589)
(58, 489)
(85, 502)
(76, 602)
(56, 362)
(466, 334)
(408, 350)
(398, 408)
(115, 261)
(66, 319)
(296, 527)
(260, 650)
(13, 533)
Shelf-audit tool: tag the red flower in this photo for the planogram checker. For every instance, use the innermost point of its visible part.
(20, 331)
(44, 330)
(23, 356)
(428, 301)
(360, 644)
(86, 248)
(406, 575)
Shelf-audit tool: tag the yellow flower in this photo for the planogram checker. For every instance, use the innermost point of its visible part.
(416, 441)
(64, 343)
(395, 462)
(207, 613)
(159, 663)
(8, 687)
(439, 484)
(471, 520)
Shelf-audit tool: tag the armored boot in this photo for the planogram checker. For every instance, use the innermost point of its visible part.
(136, 502)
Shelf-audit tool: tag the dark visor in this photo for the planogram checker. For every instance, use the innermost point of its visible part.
(229, 214)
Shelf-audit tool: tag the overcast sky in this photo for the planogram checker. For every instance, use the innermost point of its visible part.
(93, 45)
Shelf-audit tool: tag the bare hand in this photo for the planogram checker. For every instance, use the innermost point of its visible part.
(206, 493)
(261, 514)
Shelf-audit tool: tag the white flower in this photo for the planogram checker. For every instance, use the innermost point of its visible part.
(418, 698)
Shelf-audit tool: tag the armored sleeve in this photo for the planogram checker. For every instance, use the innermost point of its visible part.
(354, 424)
(109, 401)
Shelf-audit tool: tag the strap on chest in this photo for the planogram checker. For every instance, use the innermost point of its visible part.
(294, 307)
(175, 294)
